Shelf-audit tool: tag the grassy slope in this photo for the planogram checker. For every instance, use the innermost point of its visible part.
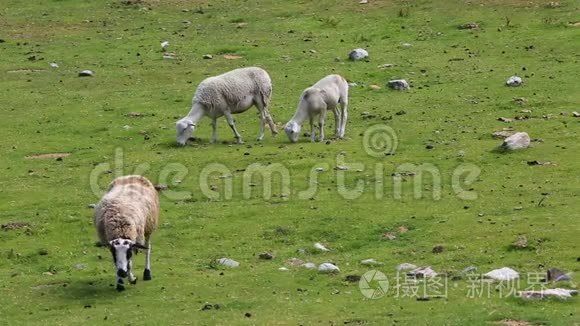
(55, 111)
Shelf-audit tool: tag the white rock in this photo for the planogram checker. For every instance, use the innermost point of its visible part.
(227, 262)
(169, 55)
(370, 262)
(405, 267)
(126, 127)
(502, 274)
(207, 56)
(547, 293)
(309, 265)
(406, 45)
(164, 45)
(576, 114)
(86, 73)
(320, 247)
(363, 2)
(328, 268)
(352, 84)
(53, 64)
(514, 81)
(422, 272)
(519, 140)
(386, 65)
(319, 169)
(358, 54)
(398, 84)
(283, 269)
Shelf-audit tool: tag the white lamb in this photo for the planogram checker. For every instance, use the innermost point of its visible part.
(325, 95)
(125, 218)
(230, 93)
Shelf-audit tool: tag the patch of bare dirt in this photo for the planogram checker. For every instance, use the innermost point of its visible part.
(15, 226)
(513, 322)
(46, 156)
(232, 56)
(15, 71)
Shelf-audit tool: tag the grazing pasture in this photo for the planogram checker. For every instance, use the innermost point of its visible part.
(433, 188)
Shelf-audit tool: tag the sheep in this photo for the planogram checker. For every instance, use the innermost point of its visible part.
(230, 93)
(325, 95)
(125, 217)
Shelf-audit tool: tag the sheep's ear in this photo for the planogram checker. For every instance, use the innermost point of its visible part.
(139, 246)
(111, 243)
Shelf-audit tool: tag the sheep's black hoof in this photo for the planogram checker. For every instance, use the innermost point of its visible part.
(120, 287)
(133, 281)
(147, 275)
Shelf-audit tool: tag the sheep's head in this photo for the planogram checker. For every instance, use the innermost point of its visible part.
(122, 251)
(184, 129)
(292, 129)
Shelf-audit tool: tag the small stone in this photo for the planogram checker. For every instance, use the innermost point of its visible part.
(556, 275)
(352, 84)
(248, 315)
(169, 55)
(43, 252)
(283, 269)
(358, 54)
(47, 273)
(266, 255)
(405, 267)
(352, 278)
(161, 187)
(313, 51)
(91, 205)
(429, 146)
(389, 236)
(520, 100)
(86, 73)
(386, 65)
(406, 45)
(227, 262)
(53, 64)
(514, 81)
(422, 272)
(309, 265)
(164, 45)
(207, 56)
(502, 119)
(80, 266)
(503, 134)
(374, 87)
(319, 169)
(519, 140)
(341, 168)
(398, 84)
(502, 274)
(319, 246)
(469, 26)
(363, 2)
(469, 270)
(438, 249)
(328, 268)
(576, 114)
(520, 243)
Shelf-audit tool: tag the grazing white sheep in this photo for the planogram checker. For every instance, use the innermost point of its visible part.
(230, 93)
(325, 95)
(125, 218)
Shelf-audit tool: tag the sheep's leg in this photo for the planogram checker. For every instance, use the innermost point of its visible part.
(321, 125)
(132, 278)
(337, 122)
(213, 130)
(230, 120)
(147, 272)
(262, 125)
(344, 116)
(120, 284)
(312, 132)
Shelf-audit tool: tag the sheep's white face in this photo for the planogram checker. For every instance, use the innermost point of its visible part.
(122, 251)
(184, 129)
(292, 129)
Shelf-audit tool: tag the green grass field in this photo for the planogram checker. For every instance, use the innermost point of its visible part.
(52, 273)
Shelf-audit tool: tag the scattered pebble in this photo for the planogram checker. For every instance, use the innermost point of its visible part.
(520, 243)
(352, 278)
(406, 45)
(520, 100)
(469, 26)
(519, 140)
(80, 266)
(294, 262)
(398, 84)
(469, 270)
(164, 45)
(358, 54)
(363, 2)
(341, 168)
(503, 134)
(161, 187)
(209, 306)
(227, 262)
(438, 249)
(328, 268)
(169, 55)
(374, 87)
(386, 65)
(370, 262)
(86, 73)
(309, 265)
(576, 114)
(320, 247)
(283, 269)
(514, 81)
(207, 56)
(91, 205)
(266, 255)
(53, 64)
(502, 274)
(502, 119)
